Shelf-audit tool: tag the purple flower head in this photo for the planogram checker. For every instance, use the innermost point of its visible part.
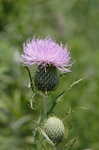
(46, 51)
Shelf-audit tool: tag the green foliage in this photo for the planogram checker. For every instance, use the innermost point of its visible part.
(74, 22)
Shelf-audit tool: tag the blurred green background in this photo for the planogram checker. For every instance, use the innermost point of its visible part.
(73, 22)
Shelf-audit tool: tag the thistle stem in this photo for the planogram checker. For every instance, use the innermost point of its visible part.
(45, 105)
(54, 103)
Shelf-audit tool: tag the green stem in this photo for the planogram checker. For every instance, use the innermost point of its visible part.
(54, 103)
(45, 106)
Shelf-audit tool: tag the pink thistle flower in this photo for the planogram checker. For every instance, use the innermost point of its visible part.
(46, 51)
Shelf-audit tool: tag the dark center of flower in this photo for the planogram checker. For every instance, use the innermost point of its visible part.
(46, 77)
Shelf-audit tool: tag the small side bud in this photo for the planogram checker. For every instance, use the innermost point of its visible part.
(54, 129)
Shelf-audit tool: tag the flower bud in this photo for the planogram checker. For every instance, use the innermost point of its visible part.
(54, 129)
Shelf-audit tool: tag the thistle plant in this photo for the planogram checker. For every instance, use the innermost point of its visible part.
(50, 59)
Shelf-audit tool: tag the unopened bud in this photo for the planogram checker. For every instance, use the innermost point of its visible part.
(54, 129)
